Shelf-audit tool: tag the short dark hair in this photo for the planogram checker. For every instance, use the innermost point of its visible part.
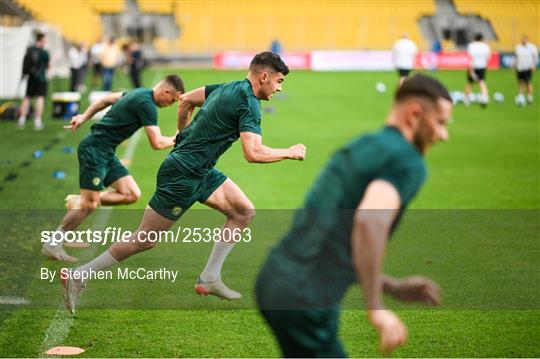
(176, 82)
(268, 59)
(39, 36)
(422, 86)
(478, 37)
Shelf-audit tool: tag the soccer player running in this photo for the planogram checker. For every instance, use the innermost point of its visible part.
(227, 112)
(339, 238)
(98, 165)
(479, 53)
(526, 61)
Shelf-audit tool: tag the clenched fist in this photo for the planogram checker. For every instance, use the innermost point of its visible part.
(297, 152)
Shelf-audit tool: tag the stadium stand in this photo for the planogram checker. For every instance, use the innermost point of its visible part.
(300, 25)
(109, 6)
(209, 26)
(510, 19)
(158, 7)
(78, 22)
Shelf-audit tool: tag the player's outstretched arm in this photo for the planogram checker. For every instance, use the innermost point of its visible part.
(413, 289)
(187, 103)
(371, 227)
(156, 139)
(256, 152)
(97, 106)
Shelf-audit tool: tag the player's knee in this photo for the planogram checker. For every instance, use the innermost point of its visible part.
(245, 215)
(133, 196)
(147, 245)
(89, 204)
(143, 241)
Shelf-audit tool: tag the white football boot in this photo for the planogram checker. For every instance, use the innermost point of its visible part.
(57, 253)
(72, 290)
(216, 288)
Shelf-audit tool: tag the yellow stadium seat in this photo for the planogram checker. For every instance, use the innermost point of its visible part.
(78, 22)
(156, 6)
(510, 19)
(215, 25)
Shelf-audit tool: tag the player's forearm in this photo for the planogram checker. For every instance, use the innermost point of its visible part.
(163, 142)
(368, 243)
(95, 108)
(389, 284)
(160, 142)
(156, 139)
(265, 154)
(185, 110)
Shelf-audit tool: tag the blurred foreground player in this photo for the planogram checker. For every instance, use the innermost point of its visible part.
(339, 238)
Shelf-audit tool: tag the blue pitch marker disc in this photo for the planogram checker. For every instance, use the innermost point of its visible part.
(69, 150)
(37, 154)
(59, 174)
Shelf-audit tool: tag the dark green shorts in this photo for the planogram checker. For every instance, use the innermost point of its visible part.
(301, 329)
(177, 191)
(98, 165)
(306, 333)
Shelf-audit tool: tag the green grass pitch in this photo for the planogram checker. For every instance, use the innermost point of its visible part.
(487, 174)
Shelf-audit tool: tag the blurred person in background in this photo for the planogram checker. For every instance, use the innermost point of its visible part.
(135, 61)
(95, 56)
(403, 55)
(109, 57)
(480, 53)
(78, 57)
(276, 47)
(35, 64)
(526, 60)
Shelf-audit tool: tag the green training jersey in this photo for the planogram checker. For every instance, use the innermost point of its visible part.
(317, 250)
(40, 63)
(135, 109)
(228, 110)
(44, 64)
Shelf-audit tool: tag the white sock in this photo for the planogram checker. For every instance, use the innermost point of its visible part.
(212, 271)
(530, 98)
(56, 242)
(21, 121)
(37, 122)
(103, 261)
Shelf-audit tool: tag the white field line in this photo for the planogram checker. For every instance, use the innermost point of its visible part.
(58, 331)
(13, 301)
